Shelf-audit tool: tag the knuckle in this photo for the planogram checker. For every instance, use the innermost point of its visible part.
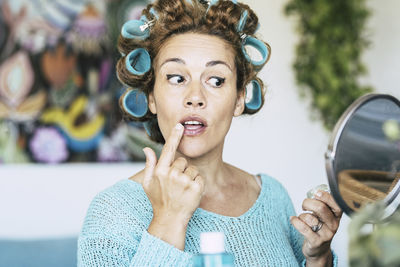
(303, 228)
(311, 219)
(200, 181)
(174, 173)
(302, 216)
(185, 181)
(320, 208)
(200, 184)
(159, 172)
(334, 233)
(170, 148)
(166, 149)
(329, 235)
(335, 226)
(306, 217)
(181, 160)
(305, 203)
(197, 187)
(178, 174)
(193, 170)
(325, 196)
(339, 212)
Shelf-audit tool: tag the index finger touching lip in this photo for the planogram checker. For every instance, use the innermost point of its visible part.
(171, 145)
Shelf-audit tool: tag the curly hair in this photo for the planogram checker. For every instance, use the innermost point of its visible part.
(189, 16)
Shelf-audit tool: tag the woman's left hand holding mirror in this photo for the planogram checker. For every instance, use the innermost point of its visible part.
(318, 226)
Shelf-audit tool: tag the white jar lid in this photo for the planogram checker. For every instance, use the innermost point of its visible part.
(212, 242)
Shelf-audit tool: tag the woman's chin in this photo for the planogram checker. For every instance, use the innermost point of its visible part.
(191, 153)
(193, 150)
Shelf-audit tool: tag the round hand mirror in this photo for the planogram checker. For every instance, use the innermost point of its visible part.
(363, 156)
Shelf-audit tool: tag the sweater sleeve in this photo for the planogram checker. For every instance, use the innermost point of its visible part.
(114, 233)
(296, 239)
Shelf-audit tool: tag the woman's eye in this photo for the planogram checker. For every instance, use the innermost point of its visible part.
(216, 81)
(175, 78)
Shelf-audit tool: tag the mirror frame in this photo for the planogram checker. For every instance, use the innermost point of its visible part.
(392, 200)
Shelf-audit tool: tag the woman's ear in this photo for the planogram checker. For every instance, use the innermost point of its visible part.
(152, 103)
(239, 107)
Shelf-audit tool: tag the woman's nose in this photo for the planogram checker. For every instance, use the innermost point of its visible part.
(195, 97)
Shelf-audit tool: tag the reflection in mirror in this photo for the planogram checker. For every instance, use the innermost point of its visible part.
(363, 159)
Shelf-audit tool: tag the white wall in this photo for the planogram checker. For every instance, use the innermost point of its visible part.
(281, 139)
(43, 201)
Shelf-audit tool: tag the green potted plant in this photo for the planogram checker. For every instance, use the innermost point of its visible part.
(377, 247)
(328, 54)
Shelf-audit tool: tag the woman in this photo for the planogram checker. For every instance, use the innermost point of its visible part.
(188, 60)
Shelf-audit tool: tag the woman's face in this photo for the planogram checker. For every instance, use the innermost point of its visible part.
(195, 85)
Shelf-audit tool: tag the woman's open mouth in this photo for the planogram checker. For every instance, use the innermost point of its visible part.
(193, 126)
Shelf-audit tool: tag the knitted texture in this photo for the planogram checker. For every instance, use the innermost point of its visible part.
(115, 233)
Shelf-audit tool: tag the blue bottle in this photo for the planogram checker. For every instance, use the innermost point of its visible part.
(212, 251)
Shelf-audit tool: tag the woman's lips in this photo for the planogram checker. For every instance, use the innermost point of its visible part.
(194, 125)
(193, 130)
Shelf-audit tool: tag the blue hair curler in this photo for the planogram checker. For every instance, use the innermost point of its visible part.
(211, 3)
(135, 104)
(147, 127)
(256, 98)
(136, 29)
(138, 61)
(154, 12)
(259, 46)
(139, 29)
(234, 1)
(242, 21)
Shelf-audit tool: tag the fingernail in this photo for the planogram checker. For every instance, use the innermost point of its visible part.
(178, 126)
(318, 193)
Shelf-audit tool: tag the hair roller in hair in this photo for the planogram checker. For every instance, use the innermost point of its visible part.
(154, 13)
(139, 29)
(138, 61)
(242, 22)
(260, 46)
(136, 29)
(255, 98)
(211, 3)
(147, 127)
(134, 102)
(150, 125)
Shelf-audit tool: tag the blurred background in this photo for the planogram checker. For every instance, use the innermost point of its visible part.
(59, 113)
(59, 92)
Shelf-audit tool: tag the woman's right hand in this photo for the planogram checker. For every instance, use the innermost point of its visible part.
(174, 189)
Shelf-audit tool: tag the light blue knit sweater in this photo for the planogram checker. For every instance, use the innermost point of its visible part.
(115, 231)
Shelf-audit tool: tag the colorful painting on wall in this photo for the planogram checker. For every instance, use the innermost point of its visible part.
(58, 89)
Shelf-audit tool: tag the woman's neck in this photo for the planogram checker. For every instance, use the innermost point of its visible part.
(212, 168)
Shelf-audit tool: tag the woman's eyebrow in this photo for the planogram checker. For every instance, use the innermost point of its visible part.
(175, 59)
(209, 64)
(216, 62)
